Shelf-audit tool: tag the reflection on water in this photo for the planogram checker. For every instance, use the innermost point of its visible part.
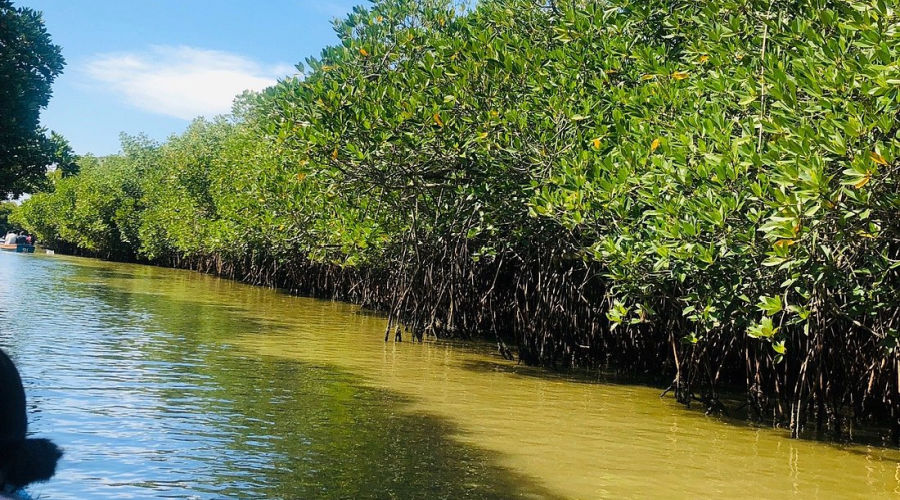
(163, 383)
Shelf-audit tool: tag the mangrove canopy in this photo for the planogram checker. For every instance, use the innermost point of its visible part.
(702, 191)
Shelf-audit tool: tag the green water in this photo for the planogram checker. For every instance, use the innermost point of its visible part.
(164, 383)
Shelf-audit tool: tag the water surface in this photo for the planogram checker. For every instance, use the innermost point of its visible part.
(167, 383)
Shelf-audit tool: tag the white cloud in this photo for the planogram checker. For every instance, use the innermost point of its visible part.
(183, 82)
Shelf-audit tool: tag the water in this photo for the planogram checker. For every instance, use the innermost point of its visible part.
(163, 383)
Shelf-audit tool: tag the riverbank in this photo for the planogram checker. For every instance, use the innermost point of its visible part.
(729, 404)
(149, 376)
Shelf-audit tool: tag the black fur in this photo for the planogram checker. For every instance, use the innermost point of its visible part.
(22, 461)
(35, 460)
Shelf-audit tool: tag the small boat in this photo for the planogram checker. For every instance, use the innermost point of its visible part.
(16, 247)
(16, 243)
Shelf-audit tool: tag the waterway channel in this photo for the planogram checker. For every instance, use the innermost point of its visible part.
(169, 383)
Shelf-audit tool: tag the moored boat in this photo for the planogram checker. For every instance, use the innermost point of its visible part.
(17, 243)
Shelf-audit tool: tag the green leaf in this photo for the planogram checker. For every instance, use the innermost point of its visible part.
(770, 305)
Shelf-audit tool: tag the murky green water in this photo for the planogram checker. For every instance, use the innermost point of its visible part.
(163, 383)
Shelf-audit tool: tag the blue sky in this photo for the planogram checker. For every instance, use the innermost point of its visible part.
(150, 66)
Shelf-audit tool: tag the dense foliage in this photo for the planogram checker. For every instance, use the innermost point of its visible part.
(704, 189)
(29, 62)
(6, 209)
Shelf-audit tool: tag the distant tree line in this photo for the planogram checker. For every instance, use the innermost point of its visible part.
(706, 191)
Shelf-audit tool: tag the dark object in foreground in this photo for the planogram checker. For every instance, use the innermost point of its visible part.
(22, 461)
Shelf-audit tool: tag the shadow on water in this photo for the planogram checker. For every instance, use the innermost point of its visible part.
(580, 376)
(149, 398)
(327, 436)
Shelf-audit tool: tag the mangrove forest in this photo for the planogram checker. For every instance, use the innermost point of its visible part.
(704, 194)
